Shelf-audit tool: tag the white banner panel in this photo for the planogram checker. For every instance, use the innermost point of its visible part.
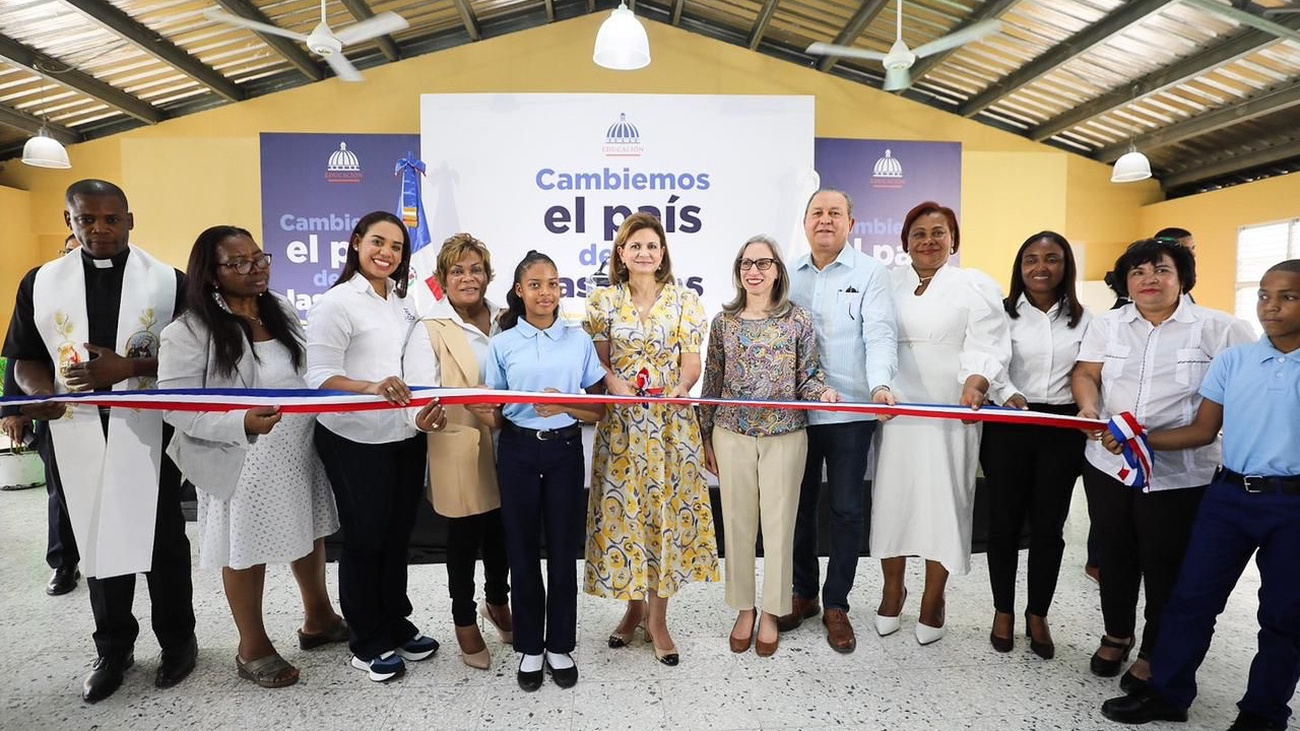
(559, 172)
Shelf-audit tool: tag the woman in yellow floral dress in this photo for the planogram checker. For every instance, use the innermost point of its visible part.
(650, 524)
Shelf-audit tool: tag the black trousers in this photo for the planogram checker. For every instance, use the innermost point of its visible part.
(541, 488)
(1029, 471)
(1143, 540)
(467, 536)
(377, 488)
(171, 587)
(61, 544)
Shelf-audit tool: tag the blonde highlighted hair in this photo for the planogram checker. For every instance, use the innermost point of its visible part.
(455, 248)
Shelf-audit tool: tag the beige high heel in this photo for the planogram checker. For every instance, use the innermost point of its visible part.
(623, 639)
(469, 637)
(507, 633)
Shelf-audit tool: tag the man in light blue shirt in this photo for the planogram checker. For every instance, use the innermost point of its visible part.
(848, 294)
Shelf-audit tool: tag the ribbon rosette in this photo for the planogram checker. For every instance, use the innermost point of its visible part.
(1137, 453)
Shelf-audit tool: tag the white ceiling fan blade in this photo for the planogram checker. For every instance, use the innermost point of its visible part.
(274, 30)
(960, 38)
(343, 68)
(381, 24)
(830, 49)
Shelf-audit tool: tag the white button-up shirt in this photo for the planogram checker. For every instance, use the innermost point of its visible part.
(1155, 373)
(478, 341)
(1044, 349)
(355, 333)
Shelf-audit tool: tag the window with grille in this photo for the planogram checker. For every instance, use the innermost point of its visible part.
(1258, 248)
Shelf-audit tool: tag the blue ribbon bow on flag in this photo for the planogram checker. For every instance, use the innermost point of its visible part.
(1138, 457)
(410, 208)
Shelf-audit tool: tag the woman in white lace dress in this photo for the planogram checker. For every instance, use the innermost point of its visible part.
(262, 492)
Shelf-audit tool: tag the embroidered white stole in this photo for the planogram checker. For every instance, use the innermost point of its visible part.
(111, 484)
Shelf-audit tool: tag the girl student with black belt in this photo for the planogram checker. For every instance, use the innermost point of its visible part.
(540, 466)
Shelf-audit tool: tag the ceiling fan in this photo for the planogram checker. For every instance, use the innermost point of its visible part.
(898, 61)
(324, 42)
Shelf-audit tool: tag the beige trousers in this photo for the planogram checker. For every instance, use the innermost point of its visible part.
(759, 479)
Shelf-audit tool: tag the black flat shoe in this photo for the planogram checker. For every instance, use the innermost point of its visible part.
(105, 677)
(563, 677)
(530, 680)
(63, 580)
(1247, 721)
(1103, 668)
(1142, 708)
(176, 665)
(1045, 650)
(1131, 684)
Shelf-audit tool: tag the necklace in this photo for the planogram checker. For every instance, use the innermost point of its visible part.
(926, 279)
(256, 320)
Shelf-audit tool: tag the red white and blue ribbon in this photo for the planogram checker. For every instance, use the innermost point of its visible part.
(1138, 456)
(312, 401)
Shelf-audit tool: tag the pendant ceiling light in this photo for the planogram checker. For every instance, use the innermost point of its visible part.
(42, 150)
(1131, 167)
(621, 42)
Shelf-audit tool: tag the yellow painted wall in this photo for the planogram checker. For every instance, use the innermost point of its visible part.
(195, 171)
(1213, 218)
(19, 245)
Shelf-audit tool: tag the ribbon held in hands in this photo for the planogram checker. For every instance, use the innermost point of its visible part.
(1138, 457)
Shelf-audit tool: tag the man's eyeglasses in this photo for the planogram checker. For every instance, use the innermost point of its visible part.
(762, 264)
(245, 266)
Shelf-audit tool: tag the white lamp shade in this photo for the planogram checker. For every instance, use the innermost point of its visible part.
(621, 42)
(1131, 167)
(43, 151)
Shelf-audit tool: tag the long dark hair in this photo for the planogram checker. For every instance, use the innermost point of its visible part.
(353, 263)
(1066, 292)
(231, 332)
(514, 309)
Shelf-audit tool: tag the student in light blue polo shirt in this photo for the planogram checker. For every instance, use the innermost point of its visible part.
(540, 464)
(1252, 392)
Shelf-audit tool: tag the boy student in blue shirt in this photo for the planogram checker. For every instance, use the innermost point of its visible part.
(1252, 392)
(540, 466)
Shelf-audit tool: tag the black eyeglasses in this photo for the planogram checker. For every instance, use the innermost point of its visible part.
(762, 264)
(245, 266)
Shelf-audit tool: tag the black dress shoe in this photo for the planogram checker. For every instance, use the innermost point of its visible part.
(1045, 650)
(105, 677)
(1142, 707)
(1247, 721)
(531, 680)
(63, 580)
(563, 677)
(1130, 683)
(176, 665)
(1103, 668)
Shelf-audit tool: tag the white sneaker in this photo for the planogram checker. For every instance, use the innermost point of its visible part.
(381, 669)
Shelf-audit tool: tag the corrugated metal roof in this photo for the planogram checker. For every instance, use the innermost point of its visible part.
(1051, 74)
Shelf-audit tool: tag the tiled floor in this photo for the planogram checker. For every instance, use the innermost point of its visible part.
(889, 683)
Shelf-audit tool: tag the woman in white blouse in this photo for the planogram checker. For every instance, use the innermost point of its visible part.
(1148, 358)
(952, 343)
(364, 336)
(1031, 470)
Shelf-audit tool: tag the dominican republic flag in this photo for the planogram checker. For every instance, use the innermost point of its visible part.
(410, 208)
(1138, 457)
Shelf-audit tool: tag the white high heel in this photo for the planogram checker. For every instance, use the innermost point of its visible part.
(886, 626)
(925, 634)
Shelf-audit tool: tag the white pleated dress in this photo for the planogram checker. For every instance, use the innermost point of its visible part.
(924, 485)
(283, 501)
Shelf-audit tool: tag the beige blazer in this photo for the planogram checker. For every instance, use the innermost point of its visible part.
(462, 467)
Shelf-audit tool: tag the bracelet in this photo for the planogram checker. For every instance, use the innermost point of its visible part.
(878, 389)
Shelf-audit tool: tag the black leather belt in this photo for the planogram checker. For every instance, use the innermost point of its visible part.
(1259, 483)
(546, 435)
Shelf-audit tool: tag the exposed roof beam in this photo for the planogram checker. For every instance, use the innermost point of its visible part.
(288, 49)
(1070, 48)
(677, 11)
(49, 68)
(987, 11)
(25, 122)
(387, 46)
(1188, 68)
(157, 46)
(760, 25)
(867, 12)
(1276, 100)
(467, 17)
(1246, 18)
(1230, 165)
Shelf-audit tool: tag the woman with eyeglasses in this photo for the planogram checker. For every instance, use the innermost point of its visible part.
(763, 347)
(650, 524)
(953, 342)
(262, 493)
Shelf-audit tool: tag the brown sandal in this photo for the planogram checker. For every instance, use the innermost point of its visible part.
(311, 642)
(271, 671)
